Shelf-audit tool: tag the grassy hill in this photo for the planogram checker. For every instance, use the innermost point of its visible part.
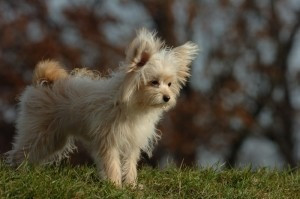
(82, 182)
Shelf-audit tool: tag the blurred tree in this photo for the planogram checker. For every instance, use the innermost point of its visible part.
(244, 84)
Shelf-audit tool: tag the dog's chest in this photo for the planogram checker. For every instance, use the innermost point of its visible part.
(137, 131)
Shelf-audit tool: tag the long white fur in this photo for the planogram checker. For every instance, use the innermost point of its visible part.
(115, 117)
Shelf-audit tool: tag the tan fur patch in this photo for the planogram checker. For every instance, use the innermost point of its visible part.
(46, 72)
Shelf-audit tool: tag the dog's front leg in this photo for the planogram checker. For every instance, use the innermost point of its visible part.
(129, 166)
(110, 166)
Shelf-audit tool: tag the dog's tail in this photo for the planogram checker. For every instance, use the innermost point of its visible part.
(47, 72)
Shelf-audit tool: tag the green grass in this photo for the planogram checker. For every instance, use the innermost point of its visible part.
(83, 182)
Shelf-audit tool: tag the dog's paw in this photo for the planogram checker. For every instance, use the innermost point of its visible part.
(134, 185)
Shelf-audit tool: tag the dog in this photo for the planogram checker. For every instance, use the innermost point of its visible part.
(114, 116)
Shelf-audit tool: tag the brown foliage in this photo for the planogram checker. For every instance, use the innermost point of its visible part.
(222, 116)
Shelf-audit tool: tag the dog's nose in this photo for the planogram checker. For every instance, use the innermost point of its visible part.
(166, 98)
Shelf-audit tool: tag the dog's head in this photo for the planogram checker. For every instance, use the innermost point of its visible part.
(155, 73)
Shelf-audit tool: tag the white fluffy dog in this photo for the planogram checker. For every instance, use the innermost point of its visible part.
(114, 117)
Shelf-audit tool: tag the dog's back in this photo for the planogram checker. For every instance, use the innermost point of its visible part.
(57, 106)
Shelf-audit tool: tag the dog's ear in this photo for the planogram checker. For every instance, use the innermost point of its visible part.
(183, 56)
(141, 49)
(138, 54)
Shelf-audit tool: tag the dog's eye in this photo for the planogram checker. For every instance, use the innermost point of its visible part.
(155, 83)
(169, 84)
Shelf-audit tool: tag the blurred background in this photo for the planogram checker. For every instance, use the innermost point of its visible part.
(241, 105)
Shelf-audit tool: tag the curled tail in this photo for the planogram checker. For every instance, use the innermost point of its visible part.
(47, 72)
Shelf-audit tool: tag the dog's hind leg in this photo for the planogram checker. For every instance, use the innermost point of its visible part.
(50, 146)
(22, 146)
(38, 148)
(64, 152)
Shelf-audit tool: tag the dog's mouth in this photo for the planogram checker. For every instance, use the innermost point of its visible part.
(161, 105)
